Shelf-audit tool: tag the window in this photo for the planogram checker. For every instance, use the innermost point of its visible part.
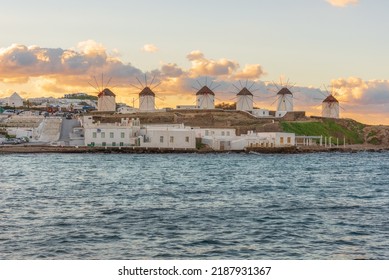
(187, 139)
(113, 144)
(92, 144)
(228, 133)
(122, 135)
(111, 135)
(281, 140)
(161, 139)
(121, 144)
(94, 135)
(206, 132)
(102, 134)
(289, 140)
(104, 144)
(171, 139)
(223, 133)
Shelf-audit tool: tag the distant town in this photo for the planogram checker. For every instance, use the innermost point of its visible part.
(79, 119)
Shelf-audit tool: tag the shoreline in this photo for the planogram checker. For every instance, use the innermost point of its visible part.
(35, 149)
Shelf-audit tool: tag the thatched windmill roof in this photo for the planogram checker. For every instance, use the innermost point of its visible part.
(284, 91)
(204, 91)
(106, 92)
(245, 91)
(146, 92)
(331, 99)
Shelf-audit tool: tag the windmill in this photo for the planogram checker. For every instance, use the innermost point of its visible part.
(244, 96)
(284, 97)
(205, 97)
(105, 97)
(146, 95)
(330, 105)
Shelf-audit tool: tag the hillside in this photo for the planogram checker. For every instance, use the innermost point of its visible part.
(338, 129)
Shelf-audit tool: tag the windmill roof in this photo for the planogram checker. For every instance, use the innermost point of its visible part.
(245, 91)
(284, 91)
(15, 95)
(146, 91)
(330, 99)
(205, 90)
(106, 92)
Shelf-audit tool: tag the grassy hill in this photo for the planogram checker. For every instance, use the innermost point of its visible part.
(350, 130)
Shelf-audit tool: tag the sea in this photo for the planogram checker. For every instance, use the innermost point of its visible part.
(321, 206)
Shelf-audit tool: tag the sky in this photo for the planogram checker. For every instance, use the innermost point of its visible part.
(50, 48)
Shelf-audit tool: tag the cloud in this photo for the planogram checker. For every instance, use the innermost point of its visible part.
(221, 68)
(171, 70)
(250, 71)
(150, 48)
(342, 3)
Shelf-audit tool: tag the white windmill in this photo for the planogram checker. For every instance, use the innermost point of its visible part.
(205, 96)
(244, 97)
(105, 97)
(284, 98)
(330, 105)
(146, 95)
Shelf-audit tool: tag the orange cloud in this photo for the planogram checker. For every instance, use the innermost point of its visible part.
(342, 3)
(150, 48)
(250, 71)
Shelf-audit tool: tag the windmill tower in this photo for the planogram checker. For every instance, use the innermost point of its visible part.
(205, 98)
(284, 97)
(245, 100)
(146, 95)
(285, 100)
(330, 107)
(105, 97)
(106, 101)
(147, 99)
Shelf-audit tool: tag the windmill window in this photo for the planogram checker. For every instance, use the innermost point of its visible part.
(122, 135)
(111, 134)
(94, 135)
(102, 134)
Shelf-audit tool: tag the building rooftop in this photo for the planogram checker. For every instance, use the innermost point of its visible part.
(146, 92)
(204, 91)
(284, 91)
(245, 91)
(106, 92)
(331, 99)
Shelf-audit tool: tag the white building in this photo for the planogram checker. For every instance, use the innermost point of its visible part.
(245, 100)
(260, 140)
(264, 113)
(124, 133)
(285, 100)
(205, 98)
(126, 110)
(15, 100)
(130, 133)
(147, 100)
(176, 137)
(106, 101)
(330, 107)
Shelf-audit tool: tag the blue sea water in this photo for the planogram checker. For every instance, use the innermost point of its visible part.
(194, 206)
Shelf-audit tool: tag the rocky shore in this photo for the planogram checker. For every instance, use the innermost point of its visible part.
(33, 149)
